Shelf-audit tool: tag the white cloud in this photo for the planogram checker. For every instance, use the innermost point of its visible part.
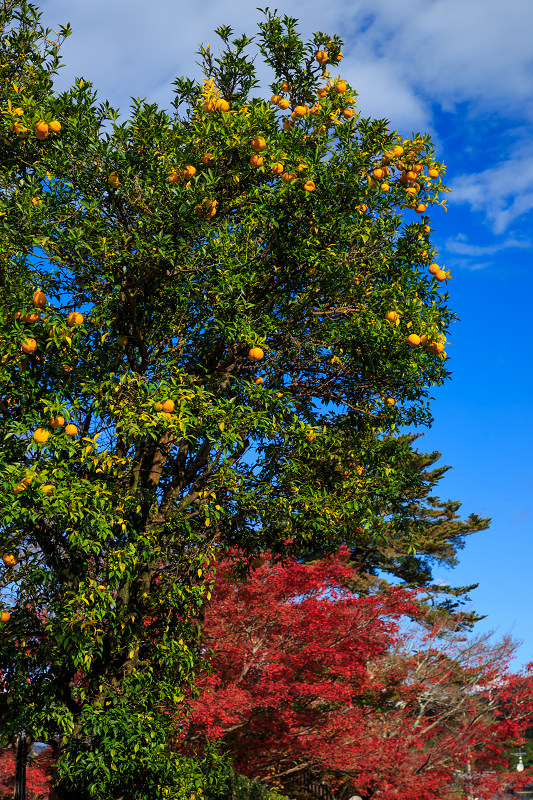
(461, 246)
(503, 192)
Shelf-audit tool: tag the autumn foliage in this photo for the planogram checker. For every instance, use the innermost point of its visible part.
(308, 676)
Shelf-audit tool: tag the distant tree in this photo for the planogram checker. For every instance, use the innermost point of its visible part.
(309, 676)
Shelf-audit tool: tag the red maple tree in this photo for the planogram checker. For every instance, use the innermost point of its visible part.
(309, 676)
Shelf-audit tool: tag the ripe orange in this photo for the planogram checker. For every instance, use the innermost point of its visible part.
(71, 430)
(19, 488)
(222, 105)
(47, 488)
(283, 104)
(41, 130)
(287, 124)
(413, 340)
(113, 180)
(427, 229)
(256, 160)
(316, 109)
(39, 299)
(417, 169)
(284, 86)
(258, 144)
(391, 316)
(74, 318)
(433, 173)
(347, 113)
(433, 269)
(340, 87)
(384, 187)
(398, 150)
(36, 201)
(441, 275)
(301, 111)
(288, 177)
(256, 354)
(174, 176)
(31, 317)
(259, 381)
(41, 435)
(340, 57)
(9, 559)
(208, 159)
(322, 92)
(277, 168)
(57, 422)
(168, 406)
(211, 209)
(55, 126)
(189, 172)
(390, 401)
(28, 346)
(420, 208)
(362, 208)
(275, 99)
(5, 616)
(309, 186)
(321, 56)
(67, 367)
(377, 173)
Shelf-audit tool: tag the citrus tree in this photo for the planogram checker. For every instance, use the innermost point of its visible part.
(204, 312)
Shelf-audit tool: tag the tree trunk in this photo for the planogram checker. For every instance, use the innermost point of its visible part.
(20, 769)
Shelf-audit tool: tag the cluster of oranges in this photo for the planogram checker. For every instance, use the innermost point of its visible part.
(42, 129)
(435, 346)
(29, 344)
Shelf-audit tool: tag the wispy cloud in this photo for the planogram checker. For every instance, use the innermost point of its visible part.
(461, 246)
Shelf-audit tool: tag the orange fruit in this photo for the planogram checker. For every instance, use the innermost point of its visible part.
(284, 86)
(377, 173)
(391, 316)
(47, 489)
(347, 113)
(31, 317)
(309, 186)
(211, 209)
(41, 130)
(340, 87)
(67, 367)
(256, 160)
(19, 488)
(398, 150)
(259, 381)
(5, 616)
(413, 340)
(39, 299)
(316, 109)
(417, 169)
(158, 406)
(113, 180)
(41, 435)
(189, 172)
(71, 430)
(256, 354)
(390, 401)
(74, 318)
(57, 422)
(362, 208)
(287, 124)
(283, 104)
(168, 406)
(433, 269)
(427, 229)
(384, 187)
(222, 105)
(301, 111)
(55, 126)
(208, 159)
(288, 177)
(322, 92)
(433, 173)
(174, 176)
(441, 275)
(28, 346)
(258, 144)
(340, 57)
(321, 56)
(275, 99)
(277, 168)
(420, 208)
(36, 201)
(9, 559)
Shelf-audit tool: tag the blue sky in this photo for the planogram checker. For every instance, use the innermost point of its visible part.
(463, 71)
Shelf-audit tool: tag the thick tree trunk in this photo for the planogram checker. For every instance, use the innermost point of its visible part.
(20, 769)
